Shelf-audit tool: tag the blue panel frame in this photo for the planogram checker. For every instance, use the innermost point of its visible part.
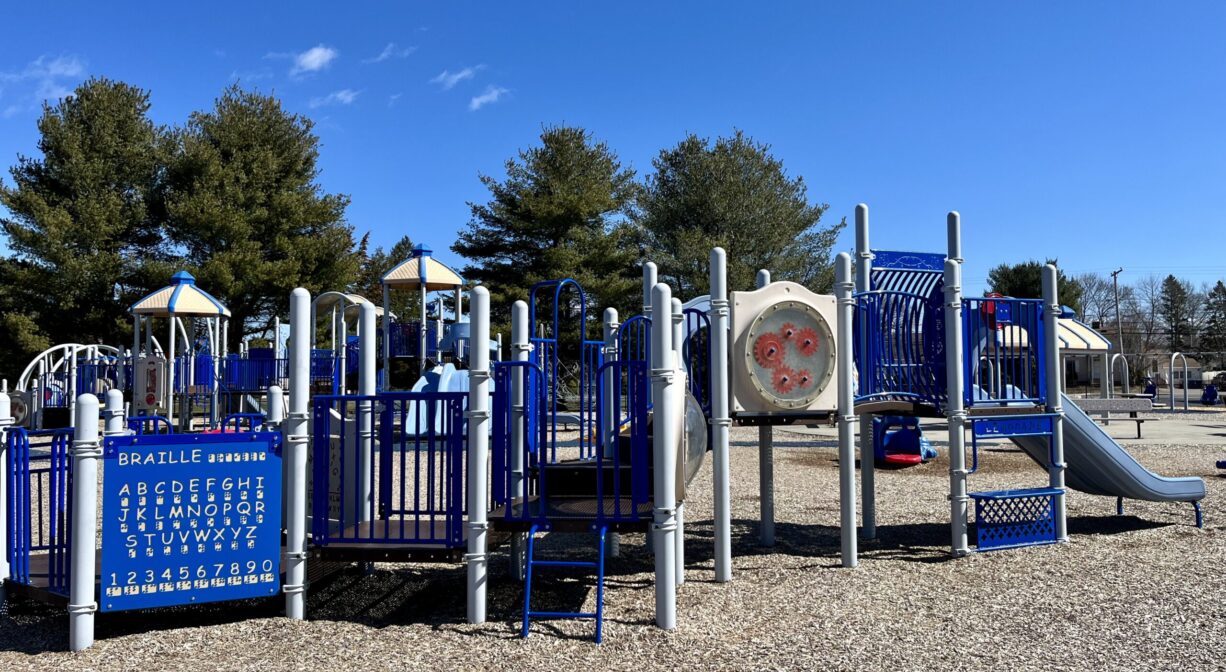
(190, 518)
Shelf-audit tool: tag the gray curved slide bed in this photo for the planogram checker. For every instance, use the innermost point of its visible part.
(1099, 466)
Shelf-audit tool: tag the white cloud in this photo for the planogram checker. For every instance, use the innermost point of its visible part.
(448, 79)
(342, 97)
(251, 75)
(391, 100)
(314, 59)
(491, 95)
(44, 78)
(391, 51)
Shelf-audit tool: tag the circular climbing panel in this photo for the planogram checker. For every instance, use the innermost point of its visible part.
(790, 354)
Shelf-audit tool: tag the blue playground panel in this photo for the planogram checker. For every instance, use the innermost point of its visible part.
(39, 488)
(190, 518)
(1209, 395)
(1013, 518)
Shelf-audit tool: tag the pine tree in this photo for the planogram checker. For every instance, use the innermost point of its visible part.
(736, 195)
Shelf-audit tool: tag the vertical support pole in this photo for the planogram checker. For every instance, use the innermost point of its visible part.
(1055, 468)
(846, 303)
(720, 422)
(678, 348)
(74, 351)
(170, 375)
(766, 462)
(113, 415)
(610, 383)
(86, 450)
(520, 348)
(459, 304)
(665, 386)
(366, 408)
(478, 451)
(342, 353)
(955, 412)
(1104, 380)
(275, 421)
(297, 438)
(387, 339)
(421, 335)
(6, 421)
(868, 457)
(649, 281)
(276, 338)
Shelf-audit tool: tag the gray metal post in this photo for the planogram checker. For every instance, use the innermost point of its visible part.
(297, 439)
(387, 339)
(113, 415)
(86, 451)
(678, 344)
(478, 450)
(649, 281)
(766, 463)
(956, 411)
(366, 409)
(665, 389)
(868, 476)
(1055, 470)
(520, 349)
(847, 431)
(276, 407)
(170, 375)
(611, 407)
(720, 422)
(1170, 380)
(421, 336)
(1119, 325)
(6, 421)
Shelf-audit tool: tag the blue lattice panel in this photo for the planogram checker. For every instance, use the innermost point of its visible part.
(1013, 518)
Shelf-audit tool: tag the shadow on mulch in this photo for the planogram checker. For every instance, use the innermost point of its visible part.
(434, 594)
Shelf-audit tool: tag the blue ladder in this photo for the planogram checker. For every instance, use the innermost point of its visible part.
(597, 615)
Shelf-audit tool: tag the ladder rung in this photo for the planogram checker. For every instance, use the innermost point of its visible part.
(563, 563)
(561, 614)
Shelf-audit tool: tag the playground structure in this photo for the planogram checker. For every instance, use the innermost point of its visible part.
(990, 365)
(363, 473)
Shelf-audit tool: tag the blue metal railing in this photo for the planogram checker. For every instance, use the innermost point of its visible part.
(150, 424)
(621, 459)
(1004, 352)
(547, 352)
(39, 505)
(242, 422)
(899, 348)
(634, 339)
(416, 480)
(696, 353)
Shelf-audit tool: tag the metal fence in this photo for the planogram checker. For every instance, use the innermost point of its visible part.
(39, 506)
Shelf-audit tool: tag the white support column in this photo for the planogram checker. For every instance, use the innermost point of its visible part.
(955, 411)
(611, 406)
(665, 386)
(649, 281)
(113, 415)
(72, 382)
(6, 421)
(520, 349)
(276, 408)
(421, 336)
(868, 456)
(170, 375)
(678, 346)
(1055, 468)
(297, 439)
(720, 422)
(366, 409)
(766, 463)
(847, 419)
(86, 451)
(478, 451)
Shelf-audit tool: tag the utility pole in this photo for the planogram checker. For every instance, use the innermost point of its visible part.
(1119, 326)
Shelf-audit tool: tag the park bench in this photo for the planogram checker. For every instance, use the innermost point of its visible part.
(1105, 407)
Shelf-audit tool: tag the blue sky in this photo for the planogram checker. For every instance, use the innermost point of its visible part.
(1087, 131)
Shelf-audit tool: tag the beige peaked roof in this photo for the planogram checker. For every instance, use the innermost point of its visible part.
(181, 298)
(1076, 338)
(409, 273)
(352, 302)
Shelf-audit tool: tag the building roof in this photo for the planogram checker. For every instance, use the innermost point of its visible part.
(422, 269)
(181, 298)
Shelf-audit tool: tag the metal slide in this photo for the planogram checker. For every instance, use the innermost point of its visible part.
(1099, 466)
